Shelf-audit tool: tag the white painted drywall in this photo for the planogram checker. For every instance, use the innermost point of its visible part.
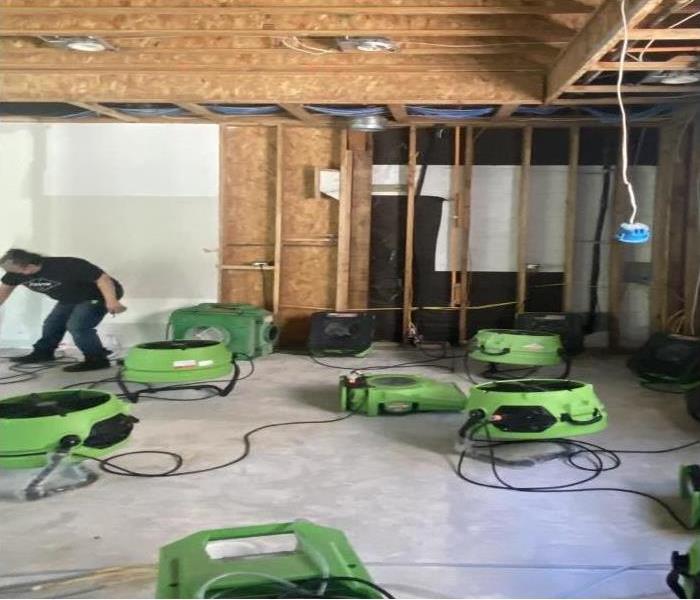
(138, 200)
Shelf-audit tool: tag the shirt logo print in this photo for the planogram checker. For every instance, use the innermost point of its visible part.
(42, 285)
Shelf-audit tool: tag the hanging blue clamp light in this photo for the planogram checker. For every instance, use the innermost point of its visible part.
(633, 233)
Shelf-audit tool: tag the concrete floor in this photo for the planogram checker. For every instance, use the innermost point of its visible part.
(388, 482)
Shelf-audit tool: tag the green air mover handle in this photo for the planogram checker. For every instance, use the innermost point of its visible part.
(482, 348)
(594, 419)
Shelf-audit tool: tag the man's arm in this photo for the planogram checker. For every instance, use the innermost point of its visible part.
(5, 292)
(109, 293)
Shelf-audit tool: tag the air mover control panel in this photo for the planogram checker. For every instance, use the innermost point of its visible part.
(398, 394)
(532, 409)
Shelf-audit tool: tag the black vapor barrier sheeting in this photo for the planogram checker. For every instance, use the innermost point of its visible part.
(430, 287)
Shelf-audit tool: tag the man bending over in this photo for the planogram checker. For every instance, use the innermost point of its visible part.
(85, 294)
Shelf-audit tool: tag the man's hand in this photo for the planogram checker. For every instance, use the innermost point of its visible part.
(115, 308)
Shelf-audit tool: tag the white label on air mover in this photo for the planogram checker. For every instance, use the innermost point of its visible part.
(184, 364)
(205, 363)
(534, 347)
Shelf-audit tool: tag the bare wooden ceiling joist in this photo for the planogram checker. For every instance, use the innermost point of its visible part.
(239, 61)
(261, 24)
(595, 39)
(407, 7)
(295, 88)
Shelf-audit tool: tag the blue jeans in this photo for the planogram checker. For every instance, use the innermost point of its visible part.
(78, 319)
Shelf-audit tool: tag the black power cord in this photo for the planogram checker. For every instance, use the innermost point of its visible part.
(30, 371)
(109, 466)
(602, 460)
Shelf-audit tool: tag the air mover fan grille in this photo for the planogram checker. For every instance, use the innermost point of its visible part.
(532, 385)
(392, 381)
(178, 345)
(208, 333)
(35, 406)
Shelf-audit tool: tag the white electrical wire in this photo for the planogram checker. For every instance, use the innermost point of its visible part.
(676, 24)
(623, 115)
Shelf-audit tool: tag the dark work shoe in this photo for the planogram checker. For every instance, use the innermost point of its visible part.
(33, 357)
(89, 364)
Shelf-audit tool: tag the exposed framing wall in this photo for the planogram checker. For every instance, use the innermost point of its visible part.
(318, 248)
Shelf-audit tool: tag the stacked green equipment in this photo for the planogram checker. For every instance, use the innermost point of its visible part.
(398, 394)
(684, 578)
(517, 347)
(242, 328)
(323, 561)
(533, 409)
(690, 491)
(49, 433)
(177, 361)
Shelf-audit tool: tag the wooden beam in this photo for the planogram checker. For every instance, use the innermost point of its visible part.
(361, 146)
(344, 229)
(454, 231)
(664, 34)
(504, 111)
(128, 24)
(410, 218)
(595, 39)
(299, 112)
(634, 89)
(616, 256)
(658, 298)
(465, 226)
(279, 197)
(612, 100)
(241, 61)
(682, 64)
(570, 218)
(106, 111)
(199, 111)
(316, 88)
(523, 217)
(398, 112)
(474, 7)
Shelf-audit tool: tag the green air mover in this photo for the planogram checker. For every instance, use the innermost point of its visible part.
(684, 578)
(533, 409)
(181, 362)
(242, 328)
(516, 347)
(49, 431)
(200, 566)
(398, 394)
(690, 491)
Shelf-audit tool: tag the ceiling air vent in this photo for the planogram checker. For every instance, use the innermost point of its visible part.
(370, 123)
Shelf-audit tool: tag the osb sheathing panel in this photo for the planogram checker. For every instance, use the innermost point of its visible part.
(252, 287)
(308, 279)
(307, 276)
(247, 194)
(303, 215)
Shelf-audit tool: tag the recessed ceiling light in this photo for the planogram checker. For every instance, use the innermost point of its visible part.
(681, 78)
(367, 44)
(86, 43)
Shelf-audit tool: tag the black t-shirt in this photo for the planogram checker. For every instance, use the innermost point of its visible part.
(65, 279)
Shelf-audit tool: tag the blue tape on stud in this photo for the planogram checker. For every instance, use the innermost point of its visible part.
(633, 233)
